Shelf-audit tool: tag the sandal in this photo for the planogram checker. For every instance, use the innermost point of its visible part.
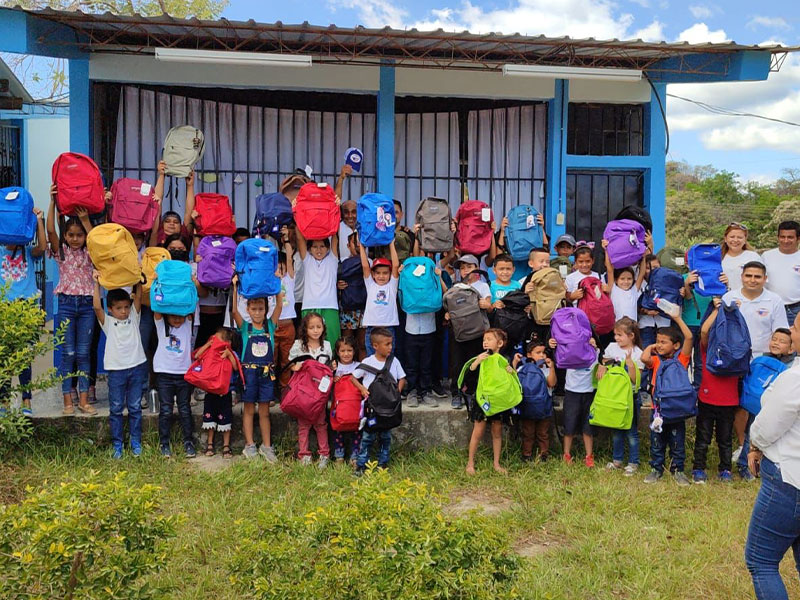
(226, 452)
(68, 411)
(87, 409)
(92, 397)
(210, 449)
(73, 394)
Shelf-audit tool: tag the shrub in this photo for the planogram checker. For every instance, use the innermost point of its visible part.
(378, 539)
(95, 539)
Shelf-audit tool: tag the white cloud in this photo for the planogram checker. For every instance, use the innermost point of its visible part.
(700, 11)
(768, 22)
(375, 13)
(652, 33)
(700, 33)
(642, 3)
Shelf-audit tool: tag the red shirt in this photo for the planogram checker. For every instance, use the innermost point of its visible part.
(717, 390)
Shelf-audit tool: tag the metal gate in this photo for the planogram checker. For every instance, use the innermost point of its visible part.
(10, 167)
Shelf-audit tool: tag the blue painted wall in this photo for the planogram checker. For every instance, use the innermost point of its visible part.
(385, 131)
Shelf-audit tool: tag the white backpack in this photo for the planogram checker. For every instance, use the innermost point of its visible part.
(183, 149)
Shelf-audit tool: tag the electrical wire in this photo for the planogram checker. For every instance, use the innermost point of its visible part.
(663, 112)
(719, 110)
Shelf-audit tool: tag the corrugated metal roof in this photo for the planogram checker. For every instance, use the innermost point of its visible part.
(137, 33)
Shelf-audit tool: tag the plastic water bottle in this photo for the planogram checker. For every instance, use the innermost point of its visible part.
(153, 403)
(667, 307)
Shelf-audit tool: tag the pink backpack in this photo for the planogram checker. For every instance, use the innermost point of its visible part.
(306, 397)
(597, 305)
(474, 231)
(133, 205)
(78, 184)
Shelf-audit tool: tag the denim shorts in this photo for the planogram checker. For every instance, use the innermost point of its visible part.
(259, 385)
(576, 413)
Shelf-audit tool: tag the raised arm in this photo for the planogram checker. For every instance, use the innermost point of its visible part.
(687, 336)
(41, 237)
(83, 216)
(493, 251)
(302, 245)
(346, 171)
(52, 235)
(609, 269)
(276, 314)
(395, 260)
(97, 305)
(642, 271)
(137, 297)
(709, 322)
(188, 214)
(237, 317)
(365, 270)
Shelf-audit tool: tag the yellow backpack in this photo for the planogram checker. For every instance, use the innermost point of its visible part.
(114, 255)
(150, 258)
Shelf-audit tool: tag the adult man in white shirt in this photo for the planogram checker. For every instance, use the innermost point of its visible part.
(346, 227)
(783, 268)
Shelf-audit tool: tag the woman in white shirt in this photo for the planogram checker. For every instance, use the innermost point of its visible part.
(735, 254)
(775, 452)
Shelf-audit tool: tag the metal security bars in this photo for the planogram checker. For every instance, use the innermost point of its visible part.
(605, 129)
(10, 171)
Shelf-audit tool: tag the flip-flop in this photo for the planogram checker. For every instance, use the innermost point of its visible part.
(88, 409)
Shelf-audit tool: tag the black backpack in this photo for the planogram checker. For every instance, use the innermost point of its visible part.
(512, 318)
(383, 410)
(638, 214)
(354, 296)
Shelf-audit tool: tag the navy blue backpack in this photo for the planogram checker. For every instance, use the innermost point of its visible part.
(354, 296)
(763, 371)
(675, 397)
(728, 353)
(537, 403)
(662, 283)
(523, 233)
(376, 220)
(273, 211)
(17, 221)
(706, 259)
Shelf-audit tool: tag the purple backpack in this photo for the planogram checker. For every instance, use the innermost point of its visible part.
(571, 329)
(215, 270)
(626, 245)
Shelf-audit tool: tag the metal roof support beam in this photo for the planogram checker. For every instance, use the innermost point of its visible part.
(748, 65)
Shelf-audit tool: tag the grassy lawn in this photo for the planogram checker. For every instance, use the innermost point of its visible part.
(584, 533)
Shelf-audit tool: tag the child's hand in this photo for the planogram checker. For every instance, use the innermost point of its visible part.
(453, 225)
(509, 368)
(692, 277)
(438, 271)
(548, 361)
(483, 356)
(416, 228)
(96, 275)
(190, 179)
(540, 219)
(578, 294)
(341, 284)
(717, 301)
(504, 223)
(447, 316)
(604, 244)
(516, 360)
(195, 214)
(498, 304)
(724, 279)
(53, 190)
(38, 212)
(683, 292)
(162, 167)
(529, 287)
(485, 303)
(552, 343)
(592, 342)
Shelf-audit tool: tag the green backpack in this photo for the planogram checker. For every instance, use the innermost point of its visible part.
(613, 402)
(673, 258)
(562, 264)
(498, 390)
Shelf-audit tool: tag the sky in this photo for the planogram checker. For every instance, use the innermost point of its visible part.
(755, 149)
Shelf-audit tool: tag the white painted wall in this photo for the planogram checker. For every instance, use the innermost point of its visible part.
(46, 139)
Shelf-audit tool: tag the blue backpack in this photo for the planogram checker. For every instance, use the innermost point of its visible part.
(706, 259)
(376, 220)
(273, 211)
(354, 296)
(728, 352)
(763, 371)
(173, 292)
(523, 233)
(256, 263)
(675, 397)
(17, 221)
(662, 283)
(537, 403)
(419, 286)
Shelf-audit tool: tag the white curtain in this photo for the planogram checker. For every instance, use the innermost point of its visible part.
(245, 146)
(507, 156)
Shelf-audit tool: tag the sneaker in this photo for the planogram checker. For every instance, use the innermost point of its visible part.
(725, 476)
(322, 463)
(457, 403)
(305, 461)
(143, 402)
(199, 394)
(412, 400)
(136, 448)
(438, 390)
(680, 478)
(699, 476)
(653, 476)
(117, 455)
(268, 453)
(614, 466)
(165, 451)
(526, 458)
(646, 399)
(746, 475)
(27, 412)
(359, 471)
(630, 469)
(568, 459)
(188, 448)
(736, 454)
(589, 461)
(250, 451)
(430, 400)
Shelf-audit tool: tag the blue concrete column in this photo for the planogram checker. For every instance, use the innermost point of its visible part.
(556, 182)
(80, 134)
(385, 131)
(655, 182)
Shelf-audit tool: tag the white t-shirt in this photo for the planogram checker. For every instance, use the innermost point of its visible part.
(396, 370)
(342, 369)
(297, 350)
(625, 302)
(299, 277)
(574, 278)
(420, 323)
(319, 287)
(614, 352)
(783, 274)
(344, 234)
(579, 380)
(732, 267)
(381, 307)
(763, 316)
(288, 311)
(123, 342)
(174, 353)
(482, 288)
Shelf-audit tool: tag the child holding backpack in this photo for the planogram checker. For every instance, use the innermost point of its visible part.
(584, 260)
(320, 268)
(345, 353)
(170, 223)
(218, 410)
(380, 279)
(259, 370)
(624, 286)
(537, 376)
(74, 293)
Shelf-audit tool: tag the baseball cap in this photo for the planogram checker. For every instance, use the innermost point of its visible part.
(380, 262)
(566, 238)
(295, 181)
(467, 259)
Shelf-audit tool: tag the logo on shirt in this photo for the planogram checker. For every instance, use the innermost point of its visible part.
(381, 298)
(796, 269)
(259, 349)
(174, 345)
(762, 312)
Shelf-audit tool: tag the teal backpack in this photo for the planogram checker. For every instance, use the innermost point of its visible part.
(419, 286)
(613, 402)
(498, 390)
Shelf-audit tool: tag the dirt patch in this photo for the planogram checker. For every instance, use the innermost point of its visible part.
(212, 464)
(12, 484)
(536, 544)
(487, 502)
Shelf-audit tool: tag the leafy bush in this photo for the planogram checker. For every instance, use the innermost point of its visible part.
(378, 539)
(94, 539)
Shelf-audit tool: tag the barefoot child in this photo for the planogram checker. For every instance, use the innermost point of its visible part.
(218, 410)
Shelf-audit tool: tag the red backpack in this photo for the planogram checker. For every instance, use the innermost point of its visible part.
(597, 305)
(78, 184)
(214, 215)
(133, 205)
(473, 231)
(211, 372)
(346, 406)
(316, 212)
(307, 394)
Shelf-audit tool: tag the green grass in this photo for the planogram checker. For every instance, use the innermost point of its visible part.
(602, 535)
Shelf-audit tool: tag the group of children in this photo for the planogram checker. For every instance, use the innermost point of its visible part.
(273, 336)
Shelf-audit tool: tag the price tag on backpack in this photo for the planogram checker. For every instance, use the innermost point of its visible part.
(680, 261)
(12, 195)
(324, 384)
(530, 221)
(486, 215)
(562, 269)
(419, 271)
(216, 243)
(159, 297)
(145, 189)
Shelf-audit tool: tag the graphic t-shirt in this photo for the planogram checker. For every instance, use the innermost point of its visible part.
(18, 270)
(381, 307)
(174, 351)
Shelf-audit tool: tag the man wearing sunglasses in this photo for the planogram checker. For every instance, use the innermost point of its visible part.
(783, 268)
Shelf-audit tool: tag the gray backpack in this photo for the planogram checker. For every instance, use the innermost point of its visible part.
(466, 317)
(183, 149)
(434, 218)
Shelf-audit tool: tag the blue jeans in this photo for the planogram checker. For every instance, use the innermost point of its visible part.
(125, 391)
(697, 357)
(648, 335)
(147, 328)
(791, 313)
(632, 435)
(371, 348)
(174, 389)
(367, 439)
(774, 528)
(674, 436)
(25, 378)
(75, 352)
(741, 464)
